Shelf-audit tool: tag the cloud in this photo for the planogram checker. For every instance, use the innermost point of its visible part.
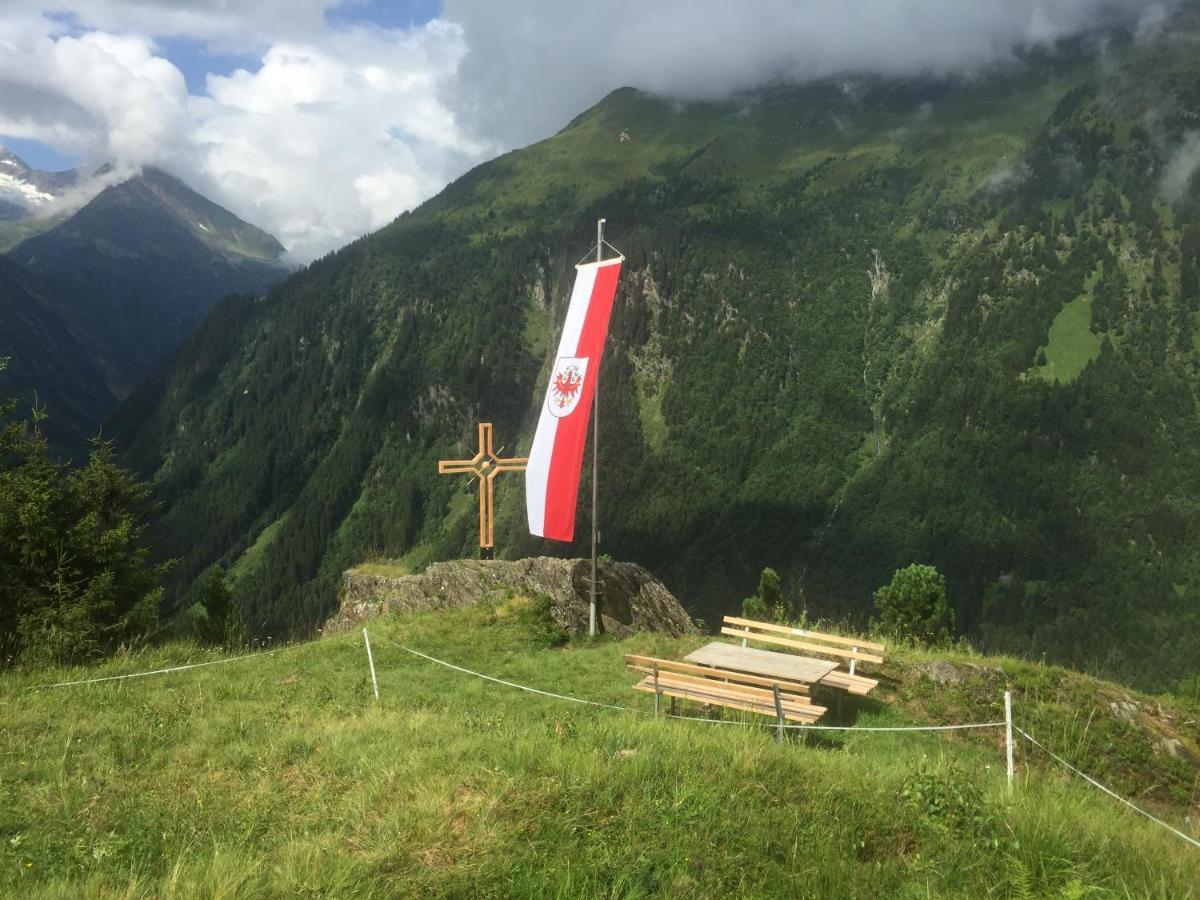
(338, 128)
(324, 143)
(332, 135)
(99, 95)
(241, 26)
(1182, 166)
(531, 66)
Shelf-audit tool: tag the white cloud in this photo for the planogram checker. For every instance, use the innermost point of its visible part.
(100, 95)
(1182, 166)
(533, 65)
(328, 138)
(324, 143)
(339, 129)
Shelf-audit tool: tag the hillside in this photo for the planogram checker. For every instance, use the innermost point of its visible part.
(279, 775)
(48, 365)
(135, 270)
(862, 323)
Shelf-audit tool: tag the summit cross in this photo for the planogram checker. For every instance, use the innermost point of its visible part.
(484, 465)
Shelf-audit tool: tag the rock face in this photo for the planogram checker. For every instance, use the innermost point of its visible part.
(630, 599)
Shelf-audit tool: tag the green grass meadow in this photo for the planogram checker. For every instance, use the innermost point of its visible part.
(279, 776)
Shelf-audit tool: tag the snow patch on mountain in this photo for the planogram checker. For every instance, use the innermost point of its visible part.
(16, 189)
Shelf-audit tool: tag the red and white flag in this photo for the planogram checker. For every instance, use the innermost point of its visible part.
(552, 476)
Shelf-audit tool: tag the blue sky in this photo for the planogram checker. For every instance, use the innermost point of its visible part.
(39, 155)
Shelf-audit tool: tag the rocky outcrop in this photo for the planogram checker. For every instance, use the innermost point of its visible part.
(630, 599)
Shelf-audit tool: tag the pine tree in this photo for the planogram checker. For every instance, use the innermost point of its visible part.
(75, 575)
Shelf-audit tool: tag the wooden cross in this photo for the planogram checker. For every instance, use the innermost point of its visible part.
(484, 465)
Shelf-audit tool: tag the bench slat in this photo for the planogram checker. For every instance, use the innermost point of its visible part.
(807, 633)
(798, 704)
(762, 694)
(847, 682)
(801, 645)
(785, 684)
(791, 711)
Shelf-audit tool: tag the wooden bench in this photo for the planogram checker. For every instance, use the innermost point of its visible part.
(850, 650)
(783, 699)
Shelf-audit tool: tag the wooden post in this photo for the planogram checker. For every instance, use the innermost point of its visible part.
(656, 692)
(1008, 742)
(371, 663)
(747, 630)
(778, 714)
(853, 661)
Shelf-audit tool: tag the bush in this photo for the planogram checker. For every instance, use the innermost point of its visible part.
(914, 605)
(222, 621)
(769, 602)
(754, 608)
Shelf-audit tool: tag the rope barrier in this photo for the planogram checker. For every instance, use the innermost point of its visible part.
(1088, 778)
(532, 690)
(512, 684)
(215, 662)
(900, 727)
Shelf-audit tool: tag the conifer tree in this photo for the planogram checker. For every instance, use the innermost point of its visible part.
(75, 576)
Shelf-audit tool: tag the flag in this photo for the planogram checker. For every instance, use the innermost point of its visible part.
(552, 477)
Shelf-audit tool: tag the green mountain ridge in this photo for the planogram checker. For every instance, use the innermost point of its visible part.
(862, 323)
(135, 270)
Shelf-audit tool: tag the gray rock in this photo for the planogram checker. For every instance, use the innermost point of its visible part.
(1169, 746)
(630, 598)
(946, 672)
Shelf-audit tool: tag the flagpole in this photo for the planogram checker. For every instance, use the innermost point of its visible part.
(595, 455)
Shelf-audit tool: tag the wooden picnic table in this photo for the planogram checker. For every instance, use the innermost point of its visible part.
(762, 662)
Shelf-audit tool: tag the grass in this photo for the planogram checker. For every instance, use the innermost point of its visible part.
(1072, 344)
(280, 776)
(249, 561)
(388, 568)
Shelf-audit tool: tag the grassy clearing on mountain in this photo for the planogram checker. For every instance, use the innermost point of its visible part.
(247, 562)
(279, 775)
(1071, 345)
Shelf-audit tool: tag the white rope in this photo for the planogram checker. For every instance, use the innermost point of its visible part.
(794, 727)
(215, 662)
(1111, 793)
(899, 727)
(512, 684)
(521, 687)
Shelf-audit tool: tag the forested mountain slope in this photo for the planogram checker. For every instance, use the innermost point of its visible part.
(136, 269)
(862, 324)
(48, 366)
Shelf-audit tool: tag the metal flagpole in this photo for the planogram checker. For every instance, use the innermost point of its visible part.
(595, 454)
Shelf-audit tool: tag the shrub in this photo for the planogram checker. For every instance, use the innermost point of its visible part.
(768, 602)
(914, 605)
(223, 623)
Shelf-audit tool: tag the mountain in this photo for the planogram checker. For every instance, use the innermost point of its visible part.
(135, 270)
(24, 190)
(25, 195)
(48, 366)
(862, 323)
